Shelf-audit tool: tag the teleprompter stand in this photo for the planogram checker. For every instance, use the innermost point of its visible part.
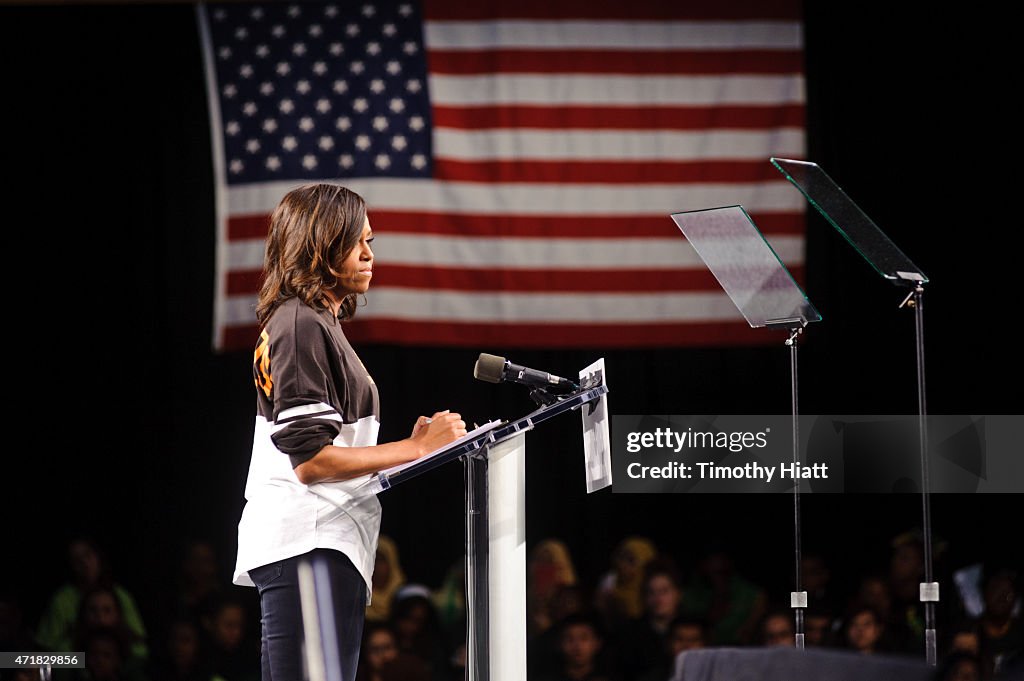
(891, 263)
(757, 282)
(494, 457)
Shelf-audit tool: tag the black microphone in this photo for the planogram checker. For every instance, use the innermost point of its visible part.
(494, 369)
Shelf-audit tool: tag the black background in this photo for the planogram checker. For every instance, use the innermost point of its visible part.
(123, 424)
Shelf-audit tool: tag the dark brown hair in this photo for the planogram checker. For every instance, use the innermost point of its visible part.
(312, 231)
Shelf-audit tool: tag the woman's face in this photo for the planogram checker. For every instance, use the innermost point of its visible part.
(101, 610)
(380, 648)
(357, 268)
(863, 632)
(662, 596)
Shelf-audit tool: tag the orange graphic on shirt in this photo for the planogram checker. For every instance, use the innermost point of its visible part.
(261, 362)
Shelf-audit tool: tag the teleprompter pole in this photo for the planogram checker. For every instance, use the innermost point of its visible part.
(798, 597)
(929, 589)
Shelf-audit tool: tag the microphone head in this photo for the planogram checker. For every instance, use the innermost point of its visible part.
(489, 368)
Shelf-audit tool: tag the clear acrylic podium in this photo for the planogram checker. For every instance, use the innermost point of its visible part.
(891, 263)
(494, 458)
(767, 296)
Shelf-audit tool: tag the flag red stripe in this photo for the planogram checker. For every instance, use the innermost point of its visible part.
(242, 227)
(458, 334)
(619, 118)
(604, 172)
(242, 282)
(636, 10)
(654, 62)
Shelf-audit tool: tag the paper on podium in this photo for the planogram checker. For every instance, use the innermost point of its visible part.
(480, 430)
(596, 441)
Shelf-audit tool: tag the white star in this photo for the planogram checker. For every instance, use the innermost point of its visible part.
(256, 13)
(376, 86)
(405, 10)
(336, 49)
(269, 125)
(303, 87)
(396, 105)
(352, 30)
(340, 86)
(398, 142)
(236, 166)
(232, 128)
(369, 10)
(273, 162)
(229, 91)
(224, 52)
(331, 11)
(356, 67)
(382, 161)
(294, 11)
(316, 30)
(262, 51)
(362, 142)
(360, 104)
(299, 49)
(277, 31)
(245, 71)
(326, 143)
(394, 68)
(410, 47)
(252, 146)
(241, 33)
(319, 68)
(309, 161)
(305, 124)
(249, 108)
(373, 48)
(416, 122)
(413, 85)
(289, 143)
(380, 123)
(389, 30)
(286, 106)
(345, 160)
(343, 123)
(220, 15)
(266, 88)
(323, 105)
(283, 68)
(419, 161)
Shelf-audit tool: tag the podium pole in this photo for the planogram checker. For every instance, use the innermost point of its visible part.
(496, 561)
(477, 615)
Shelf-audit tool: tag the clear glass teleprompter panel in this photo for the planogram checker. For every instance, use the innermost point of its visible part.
(754, 278)
(853, 223)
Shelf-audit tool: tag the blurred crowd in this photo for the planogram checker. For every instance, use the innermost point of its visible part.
(627, 620)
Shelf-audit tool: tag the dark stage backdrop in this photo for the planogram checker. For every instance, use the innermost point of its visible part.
(124, 425)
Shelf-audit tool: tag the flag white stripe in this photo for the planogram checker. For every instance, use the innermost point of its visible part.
(557, 89)
(488, 307)
(441, 250)
(615, 145)
(429, 196)
(614, 35)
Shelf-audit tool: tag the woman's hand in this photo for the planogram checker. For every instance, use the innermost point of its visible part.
(437, 431)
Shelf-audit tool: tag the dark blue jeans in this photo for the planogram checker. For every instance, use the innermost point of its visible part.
(278, 586)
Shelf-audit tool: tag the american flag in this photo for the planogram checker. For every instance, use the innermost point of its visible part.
(519, 159)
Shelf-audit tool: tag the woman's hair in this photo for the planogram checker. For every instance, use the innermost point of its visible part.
(312, 231)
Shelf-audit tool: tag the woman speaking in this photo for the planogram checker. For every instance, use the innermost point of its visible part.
(316, 427)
